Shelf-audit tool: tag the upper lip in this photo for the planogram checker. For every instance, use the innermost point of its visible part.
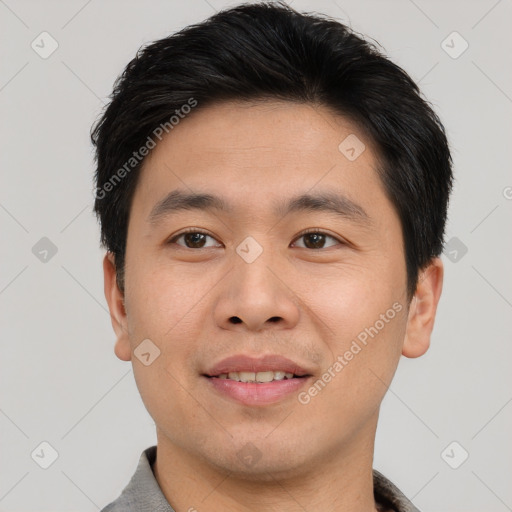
(244, 363)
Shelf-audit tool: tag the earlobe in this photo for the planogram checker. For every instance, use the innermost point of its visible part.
(422, 310)
(115, 300)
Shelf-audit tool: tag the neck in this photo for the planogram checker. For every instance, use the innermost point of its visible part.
(341, 481)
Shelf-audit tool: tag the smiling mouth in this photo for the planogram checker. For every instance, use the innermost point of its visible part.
(239, 381)
(257, 377)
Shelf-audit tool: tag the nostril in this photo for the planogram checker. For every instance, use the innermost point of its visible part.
(237, 320)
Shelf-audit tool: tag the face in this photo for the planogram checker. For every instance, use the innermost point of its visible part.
(234, 284)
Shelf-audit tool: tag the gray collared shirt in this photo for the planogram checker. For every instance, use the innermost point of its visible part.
(143, 494)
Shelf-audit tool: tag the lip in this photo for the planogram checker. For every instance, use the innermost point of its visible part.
(244, 363)
(252, 393)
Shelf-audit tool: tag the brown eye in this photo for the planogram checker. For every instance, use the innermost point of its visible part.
(193, 239)
(316, 240)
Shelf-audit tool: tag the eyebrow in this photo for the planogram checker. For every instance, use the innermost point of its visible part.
(330, 202)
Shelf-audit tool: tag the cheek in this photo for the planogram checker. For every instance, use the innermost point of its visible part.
(363, 322)
(163, 308)
(352, 297)
(364, 356)
(164, 299)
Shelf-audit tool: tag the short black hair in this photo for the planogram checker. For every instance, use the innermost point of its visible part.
(270, 51)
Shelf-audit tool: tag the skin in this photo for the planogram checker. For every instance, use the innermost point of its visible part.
(314, 456)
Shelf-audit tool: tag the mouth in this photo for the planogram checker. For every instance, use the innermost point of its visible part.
(257, 381)
(258, 377)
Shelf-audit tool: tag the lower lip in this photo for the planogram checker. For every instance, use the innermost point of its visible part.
(250, 393)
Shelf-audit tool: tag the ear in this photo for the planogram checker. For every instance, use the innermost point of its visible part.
(422, 310)
(115, 300)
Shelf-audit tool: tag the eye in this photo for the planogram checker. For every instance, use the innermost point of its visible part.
(194, 239)
(315, 239)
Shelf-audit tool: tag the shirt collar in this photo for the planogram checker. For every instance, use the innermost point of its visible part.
(144, 494)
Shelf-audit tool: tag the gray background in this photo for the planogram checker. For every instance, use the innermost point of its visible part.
(60, 380)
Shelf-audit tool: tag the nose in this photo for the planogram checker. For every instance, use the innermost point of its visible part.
(255, 296)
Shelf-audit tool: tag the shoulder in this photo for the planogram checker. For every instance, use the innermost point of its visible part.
(142, 492)
(389, 497)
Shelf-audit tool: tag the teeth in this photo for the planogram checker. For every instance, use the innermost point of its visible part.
(246, 376)
(265, 376)
(256, 377)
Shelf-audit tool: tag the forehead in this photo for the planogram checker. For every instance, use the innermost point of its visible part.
(251, 153)
(267, 128)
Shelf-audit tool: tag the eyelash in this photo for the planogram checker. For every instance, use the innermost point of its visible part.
(300, 235)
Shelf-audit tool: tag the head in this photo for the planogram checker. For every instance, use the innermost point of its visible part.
(246, 130)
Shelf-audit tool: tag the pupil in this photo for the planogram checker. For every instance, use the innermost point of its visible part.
(315, 236)
(194, 237)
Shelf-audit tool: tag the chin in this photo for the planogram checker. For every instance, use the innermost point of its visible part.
(259, 459)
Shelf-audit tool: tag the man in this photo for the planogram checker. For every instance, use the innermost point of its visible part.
(272, 194)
